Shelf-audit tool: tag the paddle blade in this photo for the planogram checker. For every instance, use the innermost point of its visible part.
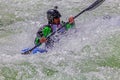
(91, 7)
(26, 51)
(94, 5)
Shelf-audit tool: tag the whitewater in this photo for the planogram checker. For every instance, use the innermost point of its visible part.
(90, 52)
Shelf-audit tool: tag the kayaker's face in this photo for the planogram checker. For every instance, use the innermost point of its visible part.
(56, 21)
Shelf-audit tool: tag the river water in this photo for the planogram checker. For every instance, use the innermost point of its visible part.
(90, 53)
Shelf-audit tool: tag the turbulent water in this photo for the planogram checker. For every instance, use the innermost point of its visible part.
(90, 53)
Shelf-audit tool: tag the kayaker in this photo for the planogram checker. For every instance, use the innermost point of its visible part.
(54, 23)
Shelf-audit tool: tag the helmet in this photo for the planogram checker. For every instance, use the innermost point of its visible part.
(51, 14)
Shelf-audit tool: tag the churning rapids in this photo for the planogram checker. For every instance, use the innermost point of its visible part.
(90, 53)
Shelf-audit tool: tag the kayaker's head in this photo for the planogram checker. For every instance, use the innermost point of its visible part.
(53, 16)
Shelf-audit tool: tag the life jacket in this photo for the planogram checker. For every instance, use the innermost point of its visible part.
(46, 30)
(55, 27)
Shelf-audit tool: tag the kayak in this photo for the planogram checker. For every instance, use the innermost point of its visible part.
(35, 50)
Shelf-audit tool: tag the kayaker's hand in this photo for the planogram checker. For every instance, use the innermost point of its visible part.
(71, 20)
(43, 40)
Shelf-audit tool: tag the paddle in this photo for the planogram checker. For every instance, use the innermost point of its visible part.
(91, 7)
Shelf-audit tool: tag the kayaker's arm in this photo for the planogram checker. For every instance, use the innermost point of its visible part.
(39, 33)
(70, 24)
(42, 34)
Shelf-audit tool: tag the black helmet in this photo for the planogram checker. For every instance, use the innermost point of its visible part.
(51, 14)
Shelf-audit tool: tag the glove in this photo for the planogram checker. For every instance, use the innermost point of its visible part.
(71, 20)
(43, 40)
